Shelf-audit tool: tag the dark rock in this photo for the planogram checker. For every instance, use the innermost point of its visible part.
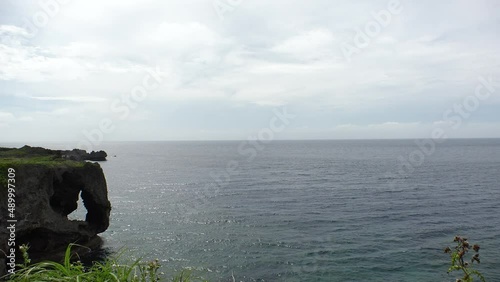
(97, 156)
(46, 194)
(81, 155)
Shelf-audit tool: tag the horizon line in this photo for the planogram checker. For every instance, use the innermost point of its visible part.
(242, 140)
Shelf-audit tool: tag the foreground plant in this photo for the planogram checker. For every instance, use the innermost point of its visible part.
(460, 263)
(109, 270)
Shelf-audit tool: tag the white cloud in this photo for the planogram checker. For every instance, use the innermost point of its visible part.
(313, 44)
(6, 117)
(71, 99)
(82, 50)
(26, 119)
(270, 103)
(21, 60)
(94, 52)
(183, 35)
(10, 31)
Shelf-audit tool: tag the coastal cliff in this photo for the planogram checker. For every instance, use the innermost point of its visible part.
(48, 185)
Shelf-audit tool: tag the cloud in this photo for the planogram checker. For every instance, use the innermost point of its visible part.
(183, 35)
(6, 118)
(71, 99)
(21, 61)
(10, 32)
(313, 44)
(261, 56)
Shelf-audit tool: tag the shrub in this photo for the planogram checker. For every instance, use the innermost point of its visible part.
(459, 261)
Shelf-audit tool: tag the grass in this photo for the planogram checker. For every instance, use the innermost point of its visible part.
(30, 155)
(112, 269)
(25, 156)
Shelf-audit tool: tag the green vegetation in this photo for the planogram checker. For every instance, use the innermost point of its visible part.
(16, 158)
(460, 263)
(50, 161)
(36, 156)
(112, 269)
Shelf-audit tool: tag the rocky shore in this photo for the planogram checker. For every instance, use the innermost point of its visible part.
(48, 184)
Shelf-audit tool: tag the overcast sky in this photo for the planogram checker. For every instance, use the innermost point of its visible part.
(205, 70)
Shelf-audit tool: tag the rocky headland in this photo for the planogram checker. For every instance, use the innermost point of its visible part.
(48, 184)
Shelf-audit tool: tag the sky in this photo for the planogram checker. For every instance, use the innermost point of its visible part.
(123, 70)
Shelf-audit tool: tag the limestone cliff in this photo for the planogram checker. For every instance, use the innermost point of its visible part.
(47, 188)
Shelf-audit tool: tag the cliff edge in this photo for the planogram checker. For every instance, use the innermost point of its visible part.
(47, 187)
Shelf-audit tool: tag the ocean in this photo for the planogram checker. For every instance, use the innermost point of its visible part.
(346, 210)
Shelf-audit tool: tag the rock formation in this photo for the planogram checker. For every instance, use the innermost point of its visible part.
(48, 187)
(81, 155)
